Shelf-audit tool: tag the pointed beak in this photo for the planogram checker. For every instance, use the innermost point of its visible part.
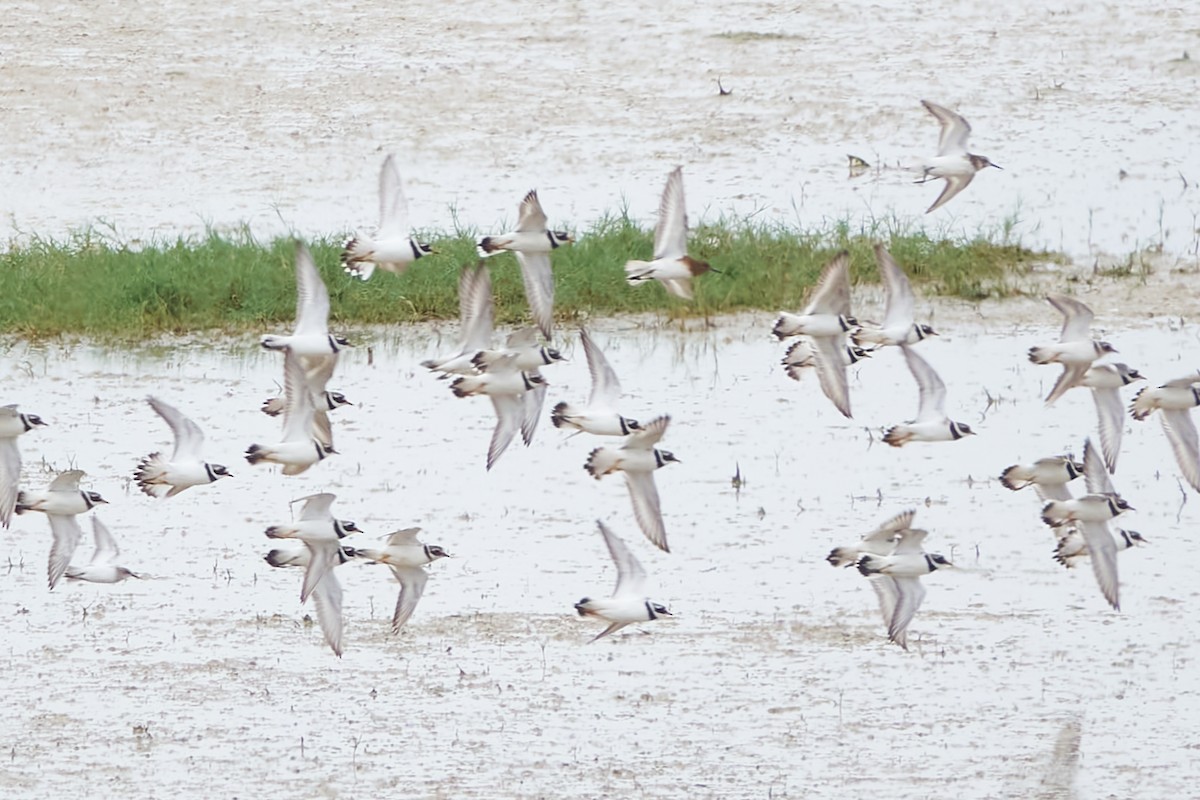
(997, 166)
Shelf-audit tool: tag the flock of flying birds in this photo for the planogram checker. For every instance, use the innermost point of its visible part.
(829, 339)
(892, 555)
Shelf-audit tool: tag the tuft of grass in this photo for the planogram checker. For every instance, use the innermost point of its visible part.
(94, 285)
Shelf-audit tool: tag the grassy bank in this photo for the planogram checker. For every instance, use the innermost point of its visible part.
(90, 285)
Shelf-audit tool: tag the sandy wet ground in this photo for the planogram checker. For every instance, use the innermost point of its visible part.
(775, 678)
(160, 121)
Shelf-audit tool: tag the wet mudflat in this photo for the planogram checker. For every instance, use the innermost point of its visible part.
(775, 678)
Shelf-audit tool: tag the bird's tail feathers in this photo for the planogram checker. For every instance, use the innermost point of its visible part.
(601, 461)
(1015, 477)
(561, 414)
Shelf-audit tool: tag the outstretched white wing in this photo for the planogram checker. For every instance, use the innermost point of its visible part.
(188, 437)
(932, 406)
(393, 207)
(670, 234)
(412, 586)
(953, 137)
(312, 298)
(630, 575)
(606, 388)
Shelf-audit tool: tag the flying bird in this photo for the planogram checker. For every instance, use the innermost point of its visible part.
(313, 346)
(321, 532)
(103, 567)
(158, 477)
(671, 266)
(952, 163)
(881, 541)
(896, 579)
(1076, 349)
(12, 424)
(311, 336)
(931, 424)
(1176, 399)
(507, 387)
(637, 459)
(825, 321)
(407, 557)
(600, 415)
(531, 243)
(1048, 476)
(303, 444)
(1105, 380)
(1090, 514)
(392, 248)
(899, 326)
(476, 317)
(61, 503)
(802, 355)
(628, 603)
(528, 356)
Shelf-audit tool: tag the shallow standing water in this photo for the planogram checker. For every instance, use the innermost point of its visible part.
(165, 120)
(774, 679)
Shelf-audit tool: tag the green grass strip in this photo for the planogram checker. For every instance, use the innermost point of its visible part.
(92, 286)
